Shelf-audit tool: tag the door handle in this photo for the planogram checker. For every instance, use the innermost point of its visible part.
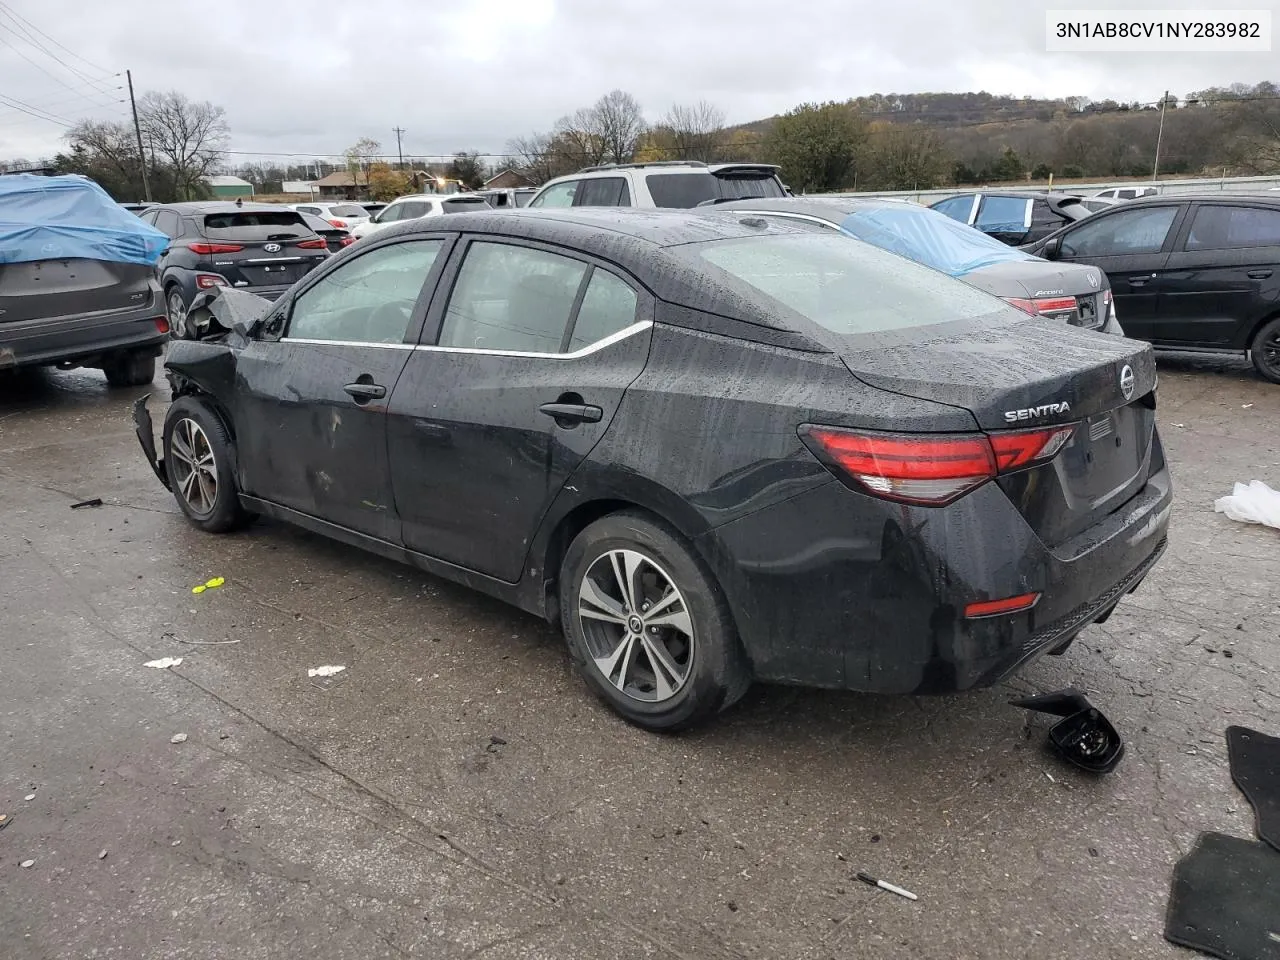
(572, 413)
(1259, 274)
(363, 392)
(1140, 280)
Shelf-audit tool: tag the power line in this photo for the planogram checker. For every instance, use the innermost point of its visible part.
(46, 72)
(13, 14)
(14, 104)
(96, 83)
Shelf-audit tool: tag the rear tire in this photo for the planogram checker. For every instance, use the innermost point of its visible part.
(198, 458)
(1265, 351)
(135, 369)
(662, 651)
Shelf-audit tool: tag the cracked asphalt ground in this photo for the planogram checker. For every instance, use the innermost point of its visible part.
(456, 792)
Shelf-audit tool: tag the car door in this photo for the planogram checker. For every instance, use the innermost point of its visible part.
(535, 347)
(1222, 277)
(312, 426)
(1131, 244)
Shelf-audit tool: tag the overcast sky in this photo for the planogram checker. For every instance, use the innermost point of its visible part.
(309, 77)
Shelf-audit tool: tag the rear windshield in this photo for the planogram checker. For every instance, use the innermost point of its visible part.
(463, 204)
(687, 190)
(846, 287)
(348, 210)
(254, 225)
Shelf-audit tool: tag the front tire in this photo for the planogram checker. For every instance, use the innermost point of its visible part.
(135, 369)
(176, 308)
(647, 626)
(1265, 351)
(198, 458)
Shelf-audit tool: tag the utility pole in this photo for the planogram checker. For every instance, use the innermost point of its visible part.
(137, 129)
(399, 131)
(1155, 167)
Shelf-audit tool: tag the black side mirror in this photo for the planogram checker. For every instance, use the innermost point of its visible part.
(1053, 249)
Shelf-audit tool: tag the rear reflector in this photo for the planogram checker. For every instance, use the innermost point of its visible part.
(930, 469)
(162, 324)
(205, 249)
(207, 281)
(996, 608)
(319, 243)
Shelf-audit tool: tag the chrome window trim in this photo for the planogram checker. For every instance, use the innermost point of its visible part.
(608, 341)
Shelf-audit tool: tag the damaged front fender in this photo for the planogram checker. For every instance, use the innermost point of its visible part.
(146, 436)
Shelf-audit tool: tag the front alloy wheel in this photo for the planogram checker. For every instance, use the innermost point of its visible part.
(195, 469)
(636, 625)
(1265, 350)
(177, 313)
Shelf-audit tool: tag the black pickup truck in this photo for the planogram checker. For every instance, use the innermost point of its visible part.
(78, 284)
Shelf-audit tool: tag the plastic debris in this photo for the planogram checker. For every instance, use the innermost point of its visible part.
(215, 582)
(164, 663)
(1254, 502)
(27, 864)
(328, 670)
(29, 797)
(94, 502)
(4, 820)
(178, 738)
(102, 855)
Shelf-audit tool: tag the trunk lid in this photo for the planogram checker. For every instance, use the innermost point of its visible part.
(1044, 280)
(1028, 375)
(47, 289)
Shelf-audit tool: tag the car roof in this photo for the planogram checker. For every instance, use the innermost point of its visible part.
(1024, 194)
(221, 206)
(822, 207)
(1229, 198)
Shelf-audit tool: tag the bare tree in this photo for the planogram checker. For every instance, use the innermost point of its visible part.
(358, 156)
(619, 123)
(186, 133)
(582, 136)
(694, 132)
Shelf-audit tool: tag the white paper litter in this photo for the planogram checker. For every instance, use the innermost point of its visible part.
(27, 864)
(326, 671)
(178, 738)
(1253, 502)
(164, 663)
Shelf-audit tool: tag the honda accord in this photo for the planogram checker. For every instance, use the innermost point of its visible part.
(713, 450)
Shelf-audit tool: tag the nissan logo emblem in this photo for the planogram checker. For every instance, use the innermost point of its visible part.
(1127, 381)
(272, 248)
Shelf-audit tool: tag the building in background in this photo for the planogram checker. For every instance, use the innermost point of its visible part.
(306, 188)
(228, 188)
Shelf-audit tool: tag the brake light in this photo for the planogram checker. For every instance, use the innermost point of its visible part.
(162, 324)
(929, 469)
(346, 241)
(340, 224)
(319, 243)
(207, 281)
(996, 608)
(204, 249)
(1043, 305)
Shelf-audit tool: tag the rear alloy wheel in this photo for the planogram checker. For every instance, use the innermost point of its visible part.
(648, 626)
(176, 307)
(1265, 351)
(135, 369)
(198, 460)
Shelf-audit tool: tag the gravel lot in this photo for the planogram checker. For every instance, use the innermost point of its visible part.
(456, 792)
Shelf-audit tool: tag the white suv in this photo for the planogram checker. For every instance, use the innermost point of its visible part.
(673, 183)
(418, 206)
(1127, 193)
(341, 214)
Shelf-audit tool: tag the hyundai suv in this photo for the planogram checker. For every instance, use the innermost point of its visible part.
(673, 183)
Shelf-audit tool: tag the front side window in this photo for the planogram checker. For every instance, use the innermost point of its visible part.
(1224, 228)
(847, 288)
(558, 195)
(1004, 215)
(369, 299)
(1123, 233)
(390, 214)
(511, 298)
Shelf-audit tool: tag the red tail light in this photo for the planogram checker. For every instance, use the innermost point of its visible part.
(930, 469)
(207, 281)
(1043, 305)
(340, 224)
(204, 249)
(996, 608)
(319, 243)
(346, 241)
(162, 324)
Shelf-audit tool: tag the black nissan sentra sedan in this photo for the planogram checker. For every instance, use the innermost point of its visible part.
(713, 449)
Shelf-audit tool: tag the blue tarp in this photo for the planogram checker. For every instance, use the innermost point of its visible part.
(66, 218)
(929, 237)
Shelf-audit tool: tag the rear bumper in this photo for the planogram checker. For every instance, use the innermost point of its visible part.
(80, 340)
(870, 595)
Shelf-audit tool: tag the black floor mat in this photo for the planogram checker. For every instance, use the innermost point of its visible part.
(1226, 899)
(1255, 767)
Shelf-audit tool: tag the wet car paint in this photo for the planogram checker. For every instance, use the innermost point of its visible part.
(829, 585)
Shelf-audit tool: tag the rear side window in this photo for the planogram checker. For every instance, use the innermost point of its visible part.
(686, 190)
(957, 208)
(369, 299)
(559, 195)
(847, 288)
(1003, 215)
(1224, 228)
(315, 211)
(347, 210)
(264, 225)
(464, 204)
(511, 298)
(608, 306)
(603, 192)
(1126, 232)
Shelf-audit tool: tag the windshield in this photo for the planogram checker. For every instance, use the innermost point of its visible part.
(929, 237)
(847, 288)
(348, 210)
(687, 190)
(256, 225)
